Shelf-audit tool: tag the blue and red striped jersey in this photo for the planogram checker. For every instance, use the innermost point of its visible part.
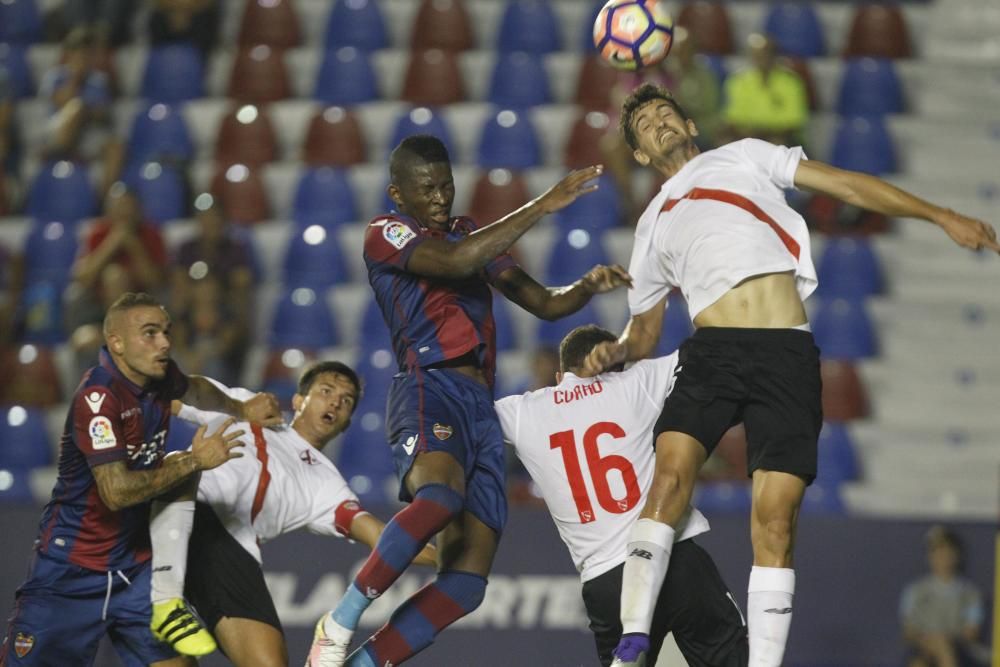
(110, 419)
(431, 320)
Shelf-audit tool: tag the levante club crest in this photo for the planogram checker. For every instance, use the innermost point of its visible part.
(23, 644)
(442, 431)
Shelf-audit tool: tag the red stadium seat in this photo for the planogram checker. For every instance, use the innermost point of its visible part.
(595, 83)
(729, 460)
(497, 193)
(433, 79)
(878, 30)
(833, 217)
(334, 139)
(708, 22)
(584, 146)
(801, 67)
(286, 364)
(31, 378)
(241, 190)
(259, 76)
(442, 24)
(844, 395)
(246, 136)
(271, 22)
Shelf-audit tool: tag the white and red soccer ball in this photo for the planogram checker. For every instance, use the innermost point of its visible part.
(632, 34)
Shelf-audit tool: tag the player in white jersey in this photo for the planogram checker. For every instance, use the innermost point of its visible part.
(586, 444)
(282, 483)
(721, 231)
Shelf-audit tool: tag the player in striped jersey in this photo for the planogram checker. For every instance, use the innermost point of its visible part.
(585, 443)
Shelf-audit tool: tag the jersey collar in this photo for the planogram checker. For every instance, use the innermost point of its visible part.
(109, 365)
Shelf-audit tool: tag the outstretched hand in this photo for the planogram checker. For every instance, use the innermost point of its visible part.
(602, 357)
(573, 185)
(264, 409)
(968, 232)
(603, 278)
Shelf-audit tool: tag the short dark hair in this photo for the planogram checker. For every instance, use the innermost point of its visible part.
(578, 343)
(639, 97)
(127, 301)
(310, 374)
(416, 148)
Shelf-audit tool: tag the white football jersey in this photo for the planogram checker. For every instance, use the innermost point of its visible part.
(588, 445)
(301, 487)
(721, 219)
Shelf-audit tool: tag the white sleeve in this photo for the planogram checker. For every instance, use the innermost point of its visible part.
(778, 162)
(650, 282)
(508, 410)
(194, 415)
(335, 504)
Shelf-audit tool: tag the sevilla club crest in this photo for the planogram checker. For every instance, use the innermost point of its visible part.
(442, 431)
(23, 644)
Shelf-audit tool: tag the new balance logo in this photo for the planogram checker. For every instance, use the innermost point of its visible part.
(775, 610)
(642, 553)
(371, 593)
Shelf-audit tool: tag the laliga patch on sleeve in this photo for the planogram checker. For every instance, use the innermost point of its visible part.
(398, 234)
(102, 436)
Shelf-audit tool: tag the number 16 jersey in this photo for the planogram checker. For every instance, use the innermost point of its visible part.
(587, 443)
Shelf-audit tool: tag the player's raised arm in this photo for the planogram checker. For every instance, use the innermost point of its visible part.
(205, 395)
(874, 194)
(638, 341)
(552, 303)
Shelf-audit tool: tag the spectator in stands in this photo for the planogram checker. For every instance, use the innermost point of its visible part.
(942, 613)
(80, 95)
(210, 336)
(8, 150)
(107, 19)
(765, 100)
(696, 86)
(193, 21)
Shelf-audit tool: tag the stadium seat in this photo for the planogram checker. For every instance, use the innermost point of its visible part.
(575, 252)
(39, 315)
(259, 76)
(324, 197)
(286, 363)
(161, 189)
(422, 120)
(552, 332)
(15, 487)
(61, 191)
(5, 205)
(159, 133)
(868, 87)
(677, 325)
(346, 78)
(241, 190)
(796, 27)
(314, 259)
(832, 217)
(497, 192)
(519, 81)
(13, 58)
(844, 395)
(442, 24)
(335, 139)
(302, 320)
(838, 462)
(583, 148)
(433, 79)
(508, 140)
(801, 67)
(722, 497)
(594, 84)
(31, 377)
(863, 143)
(844, 331)
(271, 22)
(246, 136)
(529, 25)
(708, 22)
(596, 213)
(174, 73)
(20, 21)
(374, 334)
(822, 498)
(849, 268)
(356, 23)
(365, 457)
(729, 459)
(506, 331)
(587, 33)
(49, 252)
(878, 30)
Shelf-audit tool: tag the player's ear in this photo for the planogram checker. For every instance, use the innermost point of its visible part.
(393, 191)
(692, 128)
(297, 401)
(559, 377)
(640, 157)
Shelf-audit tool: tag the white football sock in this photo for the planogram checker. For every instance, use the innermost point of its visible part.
(170, 525)
(769, 614)
(649, 546)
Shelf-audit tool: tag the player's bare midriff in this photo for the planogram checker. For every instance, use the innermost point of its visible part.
(769, 301)
(466, 365)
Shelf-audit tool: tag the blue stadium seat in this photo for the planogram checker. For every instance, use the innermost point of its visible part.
(314, 259)
(587, 34)
(24, 441)
(677, 325)
(529, 25)
(422, 120)
(508, 140)
(61, 191)
(822, 498)
(20, 21)
(519, 81)
(849, 268)
(324, 197)
(365, 457)
(49, 252)
(506, 331)
(374, 332)
(844, 331)
(161, 189)
(346, 78)
(575, 252)
(15, 487)
(302, 320)
(174, 74)
(838, 461)
(40, 313)
(715, 62)
(722, 497)
(869, 87)
(552, 332)
(13, 58)
(862, 143)
(596, 212)
(796, 28)
(356, 23)
(160, 133)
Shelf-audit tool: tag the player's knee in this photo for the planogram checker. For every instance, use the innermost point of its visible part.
(440, 503)
(467, 589)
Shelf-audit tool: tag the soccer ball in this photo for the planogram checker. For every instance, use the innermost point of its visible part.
(631, 34)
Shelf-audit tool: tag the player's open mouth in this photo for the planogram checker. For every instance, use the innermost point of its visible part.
(664, 135)
(329, 417)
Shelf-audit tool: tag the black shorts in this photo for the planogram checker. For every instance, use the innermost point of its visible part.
(222, 578)
(768, 379)
(694, 604)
